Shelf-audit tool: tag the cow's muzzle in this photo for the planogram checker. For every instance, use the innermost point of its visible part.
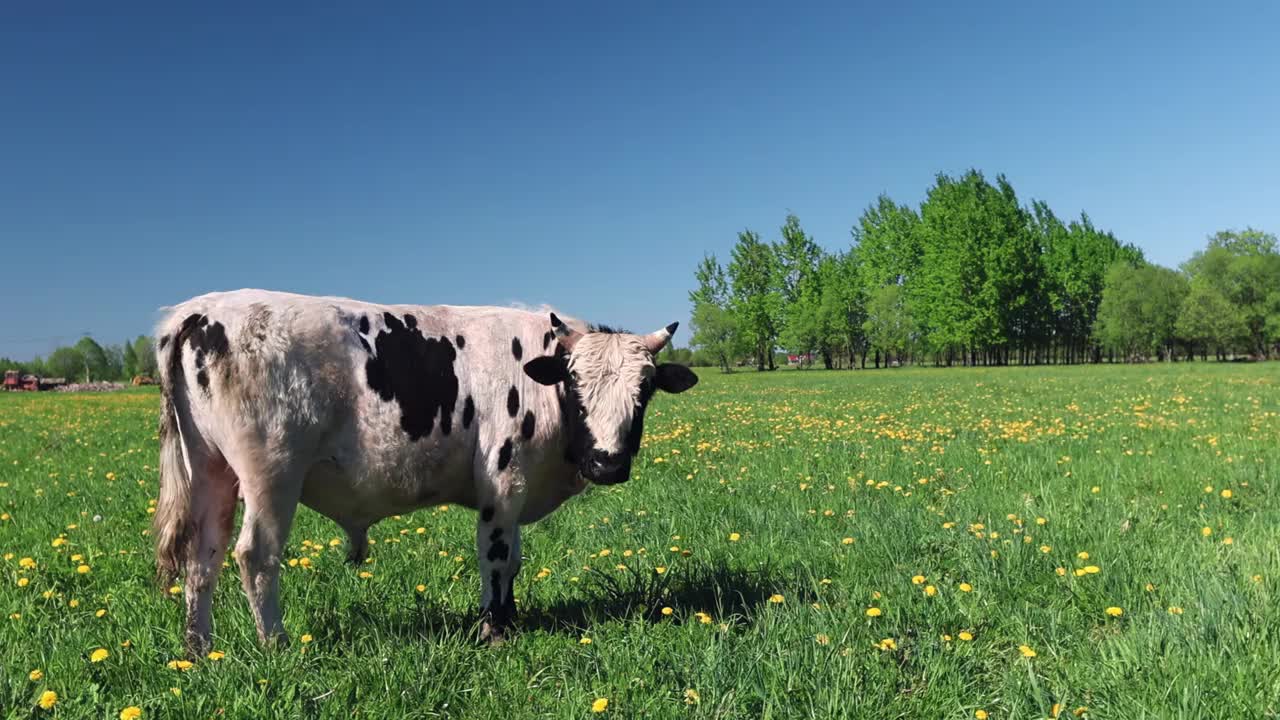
(604, 468)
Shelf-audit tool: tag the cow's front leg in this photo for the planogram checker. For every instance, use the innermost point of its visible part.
(498, 545)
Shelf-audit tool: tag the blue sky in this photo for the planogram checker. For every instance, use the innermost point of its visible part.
(583, 154)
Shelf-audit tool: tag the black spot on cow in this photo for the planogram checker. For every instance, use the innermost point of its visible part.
(411, 321)
(416, 372)
(164, 340)
(504, 455)
(495, 581)
(486, 514)
(468, 412)
(497, 533)
(516, 348)
(499, 550)
(364, 324)
(209, 340)
(461, 341)
(364, 344)
(513, 401)
(527, 425)
(547, 337)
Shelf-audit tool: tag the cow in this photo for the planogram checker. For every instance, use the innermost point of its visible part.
(361, 411)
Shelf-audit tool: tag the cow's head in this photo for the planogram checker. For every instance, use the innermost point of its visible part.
(608, 378)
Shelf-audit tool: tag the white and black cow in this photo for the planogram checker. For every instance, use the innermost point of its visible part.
(362, 411)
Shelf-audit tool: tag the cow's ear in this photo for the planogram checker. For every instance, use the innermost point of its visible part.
(547, 369)
(674, 378)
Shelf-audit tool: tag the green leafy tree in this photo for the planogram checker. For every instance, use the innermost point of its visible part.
(145, 352)
(756, 301)
(129, 361)
(65, 362)
(715, 333)
(1244, 267)
(889, 326)
(1139, 311)
(1207, 320)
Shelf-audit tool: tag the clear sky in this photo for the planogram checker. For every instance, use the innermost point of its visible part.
(583, 154)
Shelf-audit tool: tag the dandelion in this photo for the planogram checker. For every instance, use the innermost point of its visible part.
(917, 580)
(306, 638)
(100, 612)
(965, 636)
(216, 655)
(23, 582)
(180, 665)
(980, 714)
(365, 574)
(1026, 651)
(175, 589)
(420, 588)
(133, 712)
(1226, 494)
(1060, 571)
(1092, 569)
(703, 618)
(584, 641)
(660, 570)
(600, 705)
(887, 644)
(48, 699)
(734, 537)
(1175, 610)
(966, 587)
(99, 655)
(1114, 611)
(1046, 549)
(874, 612)
(1206, 531)
(776, 598)
(822, 639)
(691, 697)
(36, 675)
(666, 611)
(847, 541)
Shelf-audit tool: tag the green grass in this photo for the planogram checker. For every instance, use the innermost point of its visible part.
(939, 473)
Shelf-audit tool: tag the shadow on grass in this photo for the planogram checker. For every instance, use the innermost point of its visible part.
(724, 594)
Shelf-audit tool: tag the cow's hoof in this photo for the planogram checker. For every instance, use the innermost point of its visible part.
(492, 634)
(197, 646)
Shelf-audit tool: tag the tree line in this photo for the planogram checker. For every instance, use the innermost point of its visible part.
(974, 277)
(89, 361)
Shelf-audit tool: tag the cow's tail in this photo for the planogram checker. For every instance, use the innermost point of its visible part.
(172, 523)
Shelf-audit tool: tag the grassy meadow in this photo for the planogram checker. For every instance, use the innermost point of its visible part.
(914, 543)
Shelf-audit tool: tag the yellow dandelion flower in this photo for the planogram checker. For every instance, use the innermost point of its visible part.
(100, 612)
(965, 635)
(847, 541)
(23, 582)
(776, 598)
(1046, 549)
(420, 588)
(691, 697)
(980, 714)
(874, 612)
(703, 618)
(48, 699)
(180, 665)
(917, 580)
(660, 570)
(584, 641)
(306, 638)
(133, 712)
(1226, 494)
(822, 639)
(966, 587)
(1114, 611)
(667, 611)
(1206, 531)
(99, 655)
(1026, 651)
(1175, 610)
(216, 655)
(36, 675)
(600, 705)
(930, 590)
(734, 537)
(1092, 569)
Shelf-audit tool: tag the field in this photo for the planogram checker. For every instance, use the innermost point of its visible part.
(1005, 543)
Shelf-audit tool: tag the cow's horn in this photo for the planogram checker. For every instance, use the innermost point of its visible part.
(655, 341)
(565, 335)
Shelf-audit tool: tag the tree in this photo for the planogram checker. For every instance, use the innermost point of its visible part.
(889, 326)
(129, 361)
(1244, 267)
(94, 361)
(145, 351)
(65, 362)
(756, 302)
(798, 258)
(1139, 310)
(713, 287)
(1208, 320)
(715, 333)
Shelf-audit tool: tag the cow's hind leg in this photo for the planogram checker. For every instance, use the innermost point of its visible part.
(213, 506)
(269, 504)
